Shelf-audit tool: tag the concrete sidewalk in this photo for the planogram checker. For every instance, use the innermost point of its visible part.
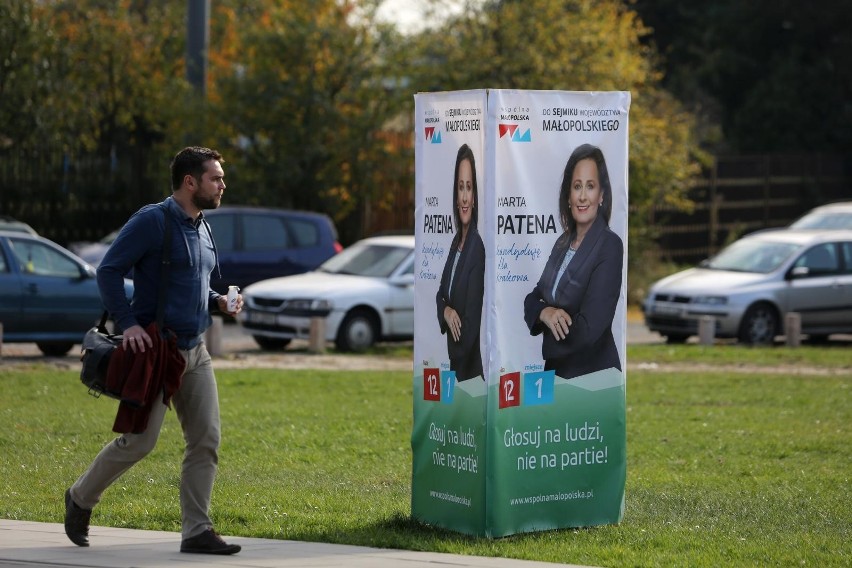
(28, 544)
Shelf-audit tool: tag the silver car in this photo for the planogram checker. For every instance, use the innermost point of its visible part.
(831, 216)
(750, 286)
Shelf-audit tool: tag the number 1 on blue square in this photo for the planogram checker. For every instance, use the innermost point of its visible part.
(538, 388)
(448, 386)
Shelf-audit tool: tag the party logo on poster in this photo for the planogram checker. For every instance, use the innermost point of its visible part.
(432, 118)
(513, 123)
(433, 136)
(514, 133)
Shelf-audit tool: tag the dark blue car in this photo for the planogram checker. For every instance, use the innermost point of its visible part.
(258, 243)
(48, 296)
(254, 243)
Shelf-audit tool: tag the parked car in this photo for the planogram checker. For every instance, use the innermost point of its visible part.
(365, 293)
(751, 285)
(254, 244)
(831, 216)
(93, 253)
(11, 224)
(48, 296)
(257, 243)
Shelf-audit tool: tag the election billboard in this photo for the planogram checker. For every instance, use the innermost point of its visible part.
(520, 310)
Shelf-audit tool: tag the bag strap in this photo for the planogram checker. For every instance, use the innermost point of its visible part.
(162, 292)
(101, 327)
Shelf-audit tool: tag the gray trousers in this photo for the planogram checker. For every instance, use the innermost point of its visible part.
(197, 407)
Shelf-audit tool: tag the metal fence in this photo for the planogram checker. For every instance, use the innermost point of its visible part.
(83, 199)
(70, 197)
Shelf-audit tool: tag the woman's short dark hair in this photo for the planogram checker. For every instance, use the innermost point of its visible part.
(586, 151)
(465, 153)
(191, 161)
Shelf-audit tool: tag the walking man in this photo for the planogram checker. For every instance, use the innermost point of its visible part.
(197, 184)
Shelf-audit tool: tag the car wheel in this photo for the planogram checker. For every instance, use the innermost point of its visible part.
(676, 338)
(357, 332)
(55, 348)
(759, 325)
(271, 343)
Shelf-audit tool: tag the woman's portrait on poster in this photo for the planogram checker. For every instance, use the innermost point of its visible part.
(573, 304)
(462, 288)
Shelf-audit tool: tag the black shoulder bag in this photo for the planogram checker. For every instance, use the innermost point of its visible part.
(99, 344)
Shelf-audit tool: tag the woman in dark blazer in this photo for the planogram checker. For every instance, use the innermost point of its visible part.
(460, 295)
(574, 302)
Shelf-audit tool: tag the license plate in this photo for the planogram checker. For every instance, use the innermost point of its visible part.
(262, 318)
(667, 310)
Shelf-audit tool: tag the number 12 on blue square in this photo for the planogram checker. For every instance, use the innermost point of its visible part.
(538, 388)
(448, 384)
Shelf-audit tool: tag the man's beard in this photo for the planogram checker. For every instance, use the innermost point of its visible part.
(205, 202)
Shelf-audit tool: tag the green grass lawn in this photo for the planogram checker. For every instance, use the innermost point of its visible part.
(835, 356)
(743, 469)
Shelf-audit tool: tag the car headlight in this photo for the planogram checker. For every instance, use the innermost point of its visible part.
(309, 304)
(710, 300)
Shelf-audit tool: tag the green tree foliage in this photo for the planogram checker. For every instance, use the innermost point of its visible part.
(576, 45)
(775, 74)
(307, 103)
(100, 85)
(121, 69)
(311, 102)
(26, 44)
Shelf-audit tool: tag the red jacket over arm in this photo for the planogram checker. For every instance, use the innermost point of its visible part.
(141, 377)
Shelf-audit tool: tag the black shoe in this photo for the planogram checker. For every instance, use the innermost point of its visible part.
(76, 521)
(208, 542)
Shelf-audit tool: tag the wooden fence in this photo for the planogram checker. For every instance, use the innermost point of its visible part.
(743, 194)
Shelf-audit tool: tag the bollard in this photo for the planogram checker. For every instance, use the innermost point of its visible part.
(706, 330)
(213, 337)
(316, 339)
(793, 329)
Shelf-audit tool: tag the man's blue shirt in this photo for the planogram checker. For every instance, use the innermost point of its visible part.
(138, 246)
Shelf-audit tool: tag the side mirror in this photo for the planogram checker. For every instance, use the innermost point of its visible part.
(402, 280)
(798, 272)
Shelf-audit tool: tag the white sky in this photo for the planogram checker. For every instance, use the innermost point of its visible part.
(409, 15)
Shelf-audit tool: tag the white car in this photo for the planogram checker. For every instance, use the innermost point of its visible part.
(365, 293)
(750, 286)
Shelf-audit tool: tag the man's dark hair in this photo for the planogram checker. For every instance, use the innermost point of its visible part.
(191, 161)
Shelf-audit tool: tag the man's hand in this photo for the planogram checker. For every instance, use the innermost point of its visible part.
(223, 305)
(136, 339)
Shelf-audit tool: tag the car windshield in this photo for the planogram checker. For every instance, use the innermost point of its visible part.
(366, 260)
(752, 255)
(824, 221)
